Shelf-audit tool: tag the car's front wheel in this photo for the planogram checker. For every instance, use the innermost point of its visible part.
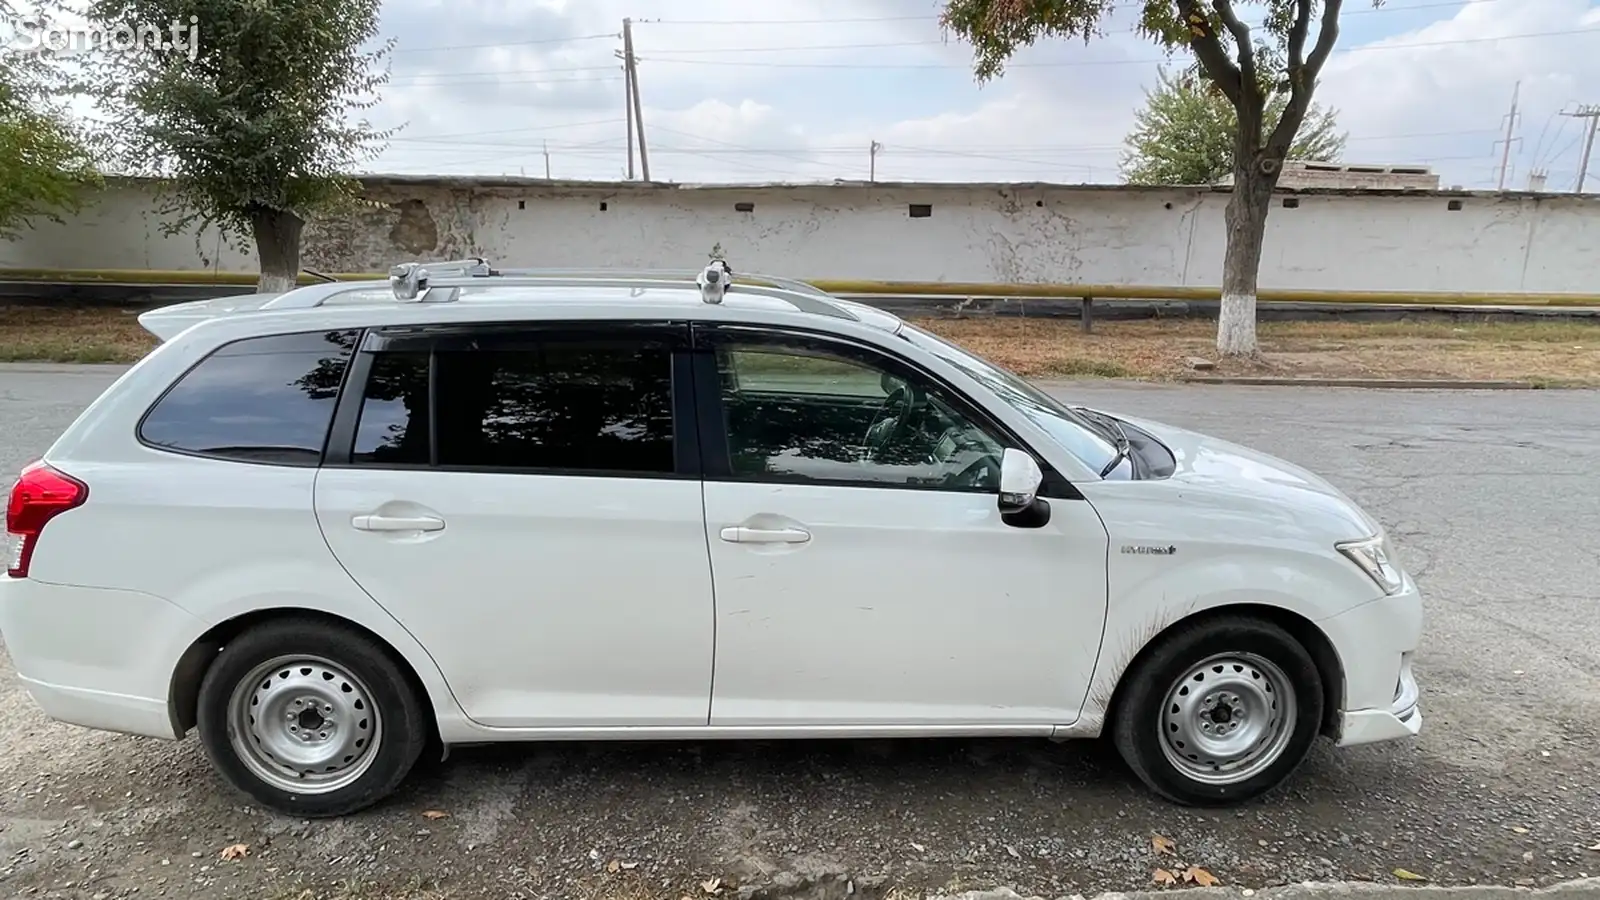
(1219, 711)
(310, 719)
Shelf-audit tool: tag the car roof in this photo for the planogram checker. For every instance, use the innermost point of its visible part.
(551, 295)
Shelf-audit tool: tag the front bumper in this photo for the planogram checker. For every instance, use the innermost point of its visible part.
(1376, 642)
(1403, 718)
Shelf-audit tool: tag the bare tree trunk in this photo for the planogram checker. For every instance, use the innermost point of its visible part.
(277, 233)
(1246, 219)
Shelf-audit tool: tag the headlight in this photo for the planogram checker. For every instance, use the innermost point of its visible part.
(1372, 555)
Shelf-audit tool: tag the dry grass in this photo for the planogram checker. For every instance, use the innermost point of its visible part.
(1550, 352)
(39, 334)
(1544, 352)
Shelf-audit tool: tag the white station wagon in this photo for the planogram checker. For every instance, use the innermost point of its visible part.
(338, 528)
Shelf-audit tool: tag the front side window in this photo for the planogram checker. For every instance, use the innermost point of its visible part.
(805, 414)
(1077, 434)
(564, 405)
(266, 399)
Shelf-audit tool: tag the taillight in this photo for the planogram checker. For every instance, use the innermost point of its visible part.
(40, 494)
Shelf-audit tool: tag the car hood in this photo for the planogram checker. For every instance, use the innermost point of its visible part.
(1225, 470)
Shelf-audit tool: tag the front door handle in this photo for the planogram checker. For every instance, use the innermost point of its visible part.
(397, 523)
(744, 534)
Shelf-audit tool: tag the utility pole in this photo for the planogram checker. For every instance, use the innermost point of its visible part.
(633, 88)
(547, 160)
(1592, 113)
(627, 105)
(872, 160)
(1511, 122)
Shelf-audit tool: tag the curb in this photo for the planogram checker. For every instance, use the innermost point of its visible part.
(1437, 384)
(1583, 889)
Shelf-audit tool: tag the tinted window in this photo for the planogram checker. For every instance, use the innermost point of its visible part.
(556, 405)
(267, 399)
(394, 411)
(808, 415)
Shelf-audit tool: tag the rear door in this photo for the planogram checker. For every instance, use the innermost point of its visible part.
(526, 502)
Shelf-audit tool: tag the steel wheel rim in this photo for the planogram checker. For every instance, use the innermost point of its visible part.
(1228, 718)
(304, 724)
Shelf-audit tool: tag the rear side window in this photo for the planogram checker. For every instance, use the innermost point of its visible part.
(267, 399)
(555, 405)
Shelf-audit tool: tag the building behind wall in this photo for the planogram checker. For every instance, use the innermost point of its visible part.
(1299, 174)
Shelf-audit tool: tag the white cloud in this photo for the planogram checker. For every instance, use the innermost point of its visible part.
(487, 86)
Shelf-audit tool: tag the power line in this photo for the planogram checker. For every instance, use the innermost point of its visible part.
(1592, 113)
(493, 72)
(497, 76)
(927, 18)
(508, 44)
(1077, 63)
(455, 138)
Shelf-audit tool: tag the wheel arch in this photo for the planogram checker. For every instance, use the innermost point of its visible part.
(1329, 666)
(184, 692)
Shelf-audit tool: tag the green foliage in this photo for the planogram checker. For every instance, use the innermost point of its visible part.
(255, 120)
(1186, 133)
(45, 164)
(1248, 65)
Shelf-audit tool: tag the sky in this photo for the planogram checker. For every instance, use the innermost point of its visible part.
(802, 90)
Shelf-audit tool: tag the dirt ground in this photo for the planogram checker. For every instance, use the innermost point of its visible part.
(1551, 353)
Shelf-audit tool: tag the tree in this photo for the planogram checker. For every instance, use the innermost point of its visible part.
(248, 130)
(1186, 132)
(45, 163)
(1245, 68)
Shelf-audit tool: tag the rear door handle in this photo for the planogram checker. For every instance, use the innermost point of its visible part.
(743, 534)
(397, 523)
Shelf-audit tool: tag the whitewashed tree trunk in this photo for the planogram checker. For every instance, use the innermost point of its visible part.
(277, 234)
(1246, 220)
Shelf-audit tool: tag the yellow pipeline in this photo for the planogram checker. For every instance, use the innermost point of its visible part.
(907, 288)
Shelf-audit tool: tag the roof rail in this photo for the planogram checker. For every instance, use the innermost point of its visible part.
(441, 282)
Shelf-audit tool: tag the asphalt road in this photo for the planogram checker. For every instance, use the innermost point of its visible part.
(1494, 501)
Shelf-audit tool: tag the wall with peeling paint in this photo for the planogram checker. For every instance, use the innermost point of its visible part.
(976, 233)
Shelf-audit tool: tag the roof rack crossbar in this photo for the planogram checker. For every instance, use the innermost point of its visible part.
(418, 283)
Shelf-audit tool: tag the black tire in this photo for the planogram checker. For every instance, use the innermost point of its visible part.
(1140, 725)
(399, 712)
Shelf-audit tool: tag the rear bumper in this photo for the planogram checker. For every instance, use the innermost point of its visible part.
(94, 657)
(102, 711)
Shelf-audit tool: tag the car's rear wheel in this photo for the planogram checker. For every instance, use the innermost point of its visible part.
(309, 719)
(1219, 711)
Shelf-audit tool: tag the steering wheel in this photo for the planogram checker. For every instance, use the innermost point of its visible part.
(893, 419)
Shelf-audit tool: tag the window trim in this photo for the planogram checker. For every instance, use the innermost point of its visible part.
(327, 434)
(714, 439)
(686, 441)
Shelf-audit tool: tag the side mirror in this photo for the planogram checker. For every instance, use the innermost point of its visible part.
(1020, 478)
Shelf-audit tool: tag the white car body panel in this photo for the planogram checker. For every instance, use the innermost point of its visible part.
(655, 627)
(549, 601)
(904, 608)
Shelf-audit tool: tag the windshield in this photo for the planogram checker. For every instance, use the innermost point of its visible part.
(1078, 435)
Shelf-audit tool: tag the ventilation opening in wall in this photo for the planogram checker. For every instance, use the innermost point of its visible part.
(603, 206)
(1038, 203)
(1455, 205)
(744, 207)
(522, 204)
(1291, 203)
(921, 210)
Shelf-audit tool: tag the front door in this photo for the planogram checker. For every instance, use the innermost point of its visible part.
(523, 503)
(863, 573)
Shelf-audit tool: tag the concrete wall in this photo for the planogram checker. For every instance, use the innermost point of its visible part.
(983, 233)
